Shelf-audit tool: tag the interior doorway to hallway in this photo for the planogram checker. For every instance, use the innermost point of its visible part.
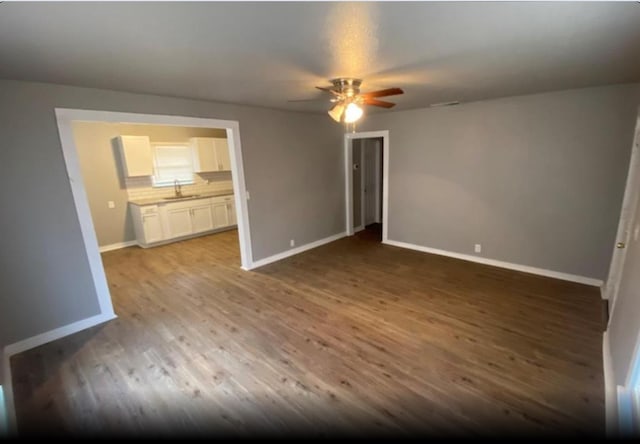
(366, 167)
(367, 184)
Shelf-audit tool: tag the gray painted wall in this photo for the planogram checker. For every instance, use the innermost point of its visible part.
(537, 180)
(102, 171)
(293, 166)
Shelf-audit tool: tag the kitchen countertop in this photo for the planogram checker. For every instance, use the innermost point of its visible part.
(158, 200)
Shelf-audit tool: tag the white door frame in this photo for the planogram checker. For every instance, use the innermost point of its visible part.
(66, 116)
(629, 202)
(348, 179)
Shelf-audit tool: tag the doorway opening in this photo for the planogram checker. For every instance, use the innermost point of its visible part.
(366, 170)
(166, 193)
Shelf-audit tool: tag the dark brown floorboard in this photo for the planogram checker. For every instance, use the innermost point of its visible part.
(352, 337)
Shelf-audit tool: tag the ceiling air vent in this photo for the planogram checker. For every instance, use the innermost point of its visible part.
(434, 105)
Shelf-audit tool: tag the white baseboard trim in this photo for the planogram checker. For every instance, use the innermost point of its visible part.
(610, 389)
(35, 341)
(117, 246)
(604, 294)
(501, 264)
(360, 228)
(297, 250)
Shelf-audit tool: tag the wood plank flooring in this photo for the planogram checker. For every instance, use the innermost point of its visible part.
(353, 338)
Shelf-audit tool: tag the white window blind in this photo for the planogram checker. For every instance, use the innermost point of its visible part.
(172, 162)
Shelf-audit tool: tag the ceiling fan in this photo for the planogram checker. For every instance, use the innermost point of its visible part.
(348, 100)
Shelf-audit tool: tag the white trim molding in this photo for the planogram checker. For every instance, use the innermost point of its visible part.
(117, 246)
(36, 341)
(297, 250)
(481, 260)
(610, 389)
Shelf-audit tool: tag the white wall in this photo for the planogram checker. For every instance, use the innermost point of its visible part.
(537, 180)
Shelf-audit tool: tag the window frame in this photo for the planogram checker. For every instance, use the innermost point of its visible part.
(155, 183)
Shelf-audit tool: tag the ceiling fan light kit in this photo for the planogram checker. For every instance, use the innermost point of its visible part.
(348, 100)
(336, 112)
(352, 113)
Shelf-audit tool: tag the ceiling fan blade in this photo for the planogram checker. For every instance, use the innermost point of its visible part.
(332, 91)
(374, 102)
(383, 92)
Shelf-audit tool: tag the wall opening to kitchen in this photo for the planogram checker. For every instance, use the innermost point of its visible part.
(149, 185)
(145, 181)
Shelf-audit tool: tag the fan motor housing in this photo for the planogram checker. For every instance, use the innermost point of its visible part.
(347, 86)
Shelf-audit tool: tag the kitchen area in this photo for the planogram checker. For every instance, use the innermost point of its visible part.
(149, 185)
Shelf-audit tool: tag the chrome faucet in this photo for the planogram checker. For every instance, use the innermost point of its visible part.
(177, 188)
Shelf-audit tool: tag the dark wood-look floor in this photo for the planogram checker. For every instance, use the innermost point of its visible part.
(352, 337)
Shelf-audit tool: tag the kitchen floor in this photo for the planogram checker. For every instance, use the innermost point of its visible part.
(354, 337)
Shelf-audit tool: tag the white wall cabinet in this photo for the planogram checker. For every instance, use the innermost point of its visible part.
(136, 154)
(147, 224)
(210, 154)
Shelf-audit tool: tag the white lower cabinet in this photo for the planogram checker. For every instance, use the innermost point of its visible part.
(231, 211)
(178, 221)
(224, 212)
(147, 224)
(201, 218)
(220, 216)
(173, 220)
(152, 228)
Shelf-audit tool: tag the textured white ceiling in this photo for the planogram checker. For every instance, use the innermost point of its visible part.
(264, 54)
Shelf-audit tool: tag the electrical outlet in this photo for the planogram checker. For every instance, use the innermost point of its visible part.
(292, 243)
(111, 204)
(248, 195)
(478, 248)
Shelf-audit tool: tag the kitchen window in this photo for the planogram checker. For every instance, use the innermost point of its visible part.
(172, 162)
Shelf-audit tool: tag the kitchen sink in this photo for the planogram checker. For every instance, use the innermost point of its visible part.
(184, 196)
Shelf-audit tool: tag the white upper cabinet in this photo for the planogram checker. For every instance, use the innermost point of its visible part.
(210, 154)
(222, 155)
(136, 154)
